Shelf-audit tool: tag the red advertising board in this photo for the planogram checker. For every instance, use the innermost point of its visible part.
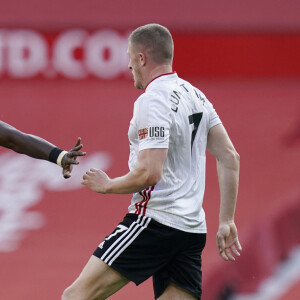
(79, 54)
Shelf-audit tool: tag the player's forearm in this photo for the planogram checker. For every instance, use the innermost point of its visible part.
(147, 172)
(20, 142)
(228, 176)
(30, 145)
(134, 181)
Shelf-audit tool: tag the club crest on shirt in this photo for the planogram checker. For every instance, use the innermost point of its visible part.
(143, 133)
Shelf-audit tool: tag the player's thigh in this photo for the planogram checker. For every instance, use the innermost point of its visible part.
(174, 292)
(96, 281)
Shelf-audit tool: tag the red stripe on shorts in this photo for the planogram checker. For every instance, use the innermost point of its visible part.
(146, 202)
(138, 205)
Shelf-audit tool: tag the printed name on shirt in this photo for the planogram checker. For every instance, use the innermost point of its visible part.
(175, 97)
(200, 95)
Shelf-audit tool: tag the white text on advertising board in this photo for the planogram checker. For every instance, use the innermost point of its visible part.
(73, 54)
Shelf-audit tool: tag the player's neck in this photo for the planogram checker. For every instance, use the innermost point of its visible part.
(157, 71)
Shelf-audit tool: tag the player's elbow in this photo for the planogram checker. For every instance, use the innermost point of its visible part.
(150, 178)
(233, 161)
(234, 156)
(230, 157)
(153, 179)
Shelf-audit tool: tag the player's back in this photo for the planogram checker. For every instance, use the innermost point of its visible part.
(184, 116)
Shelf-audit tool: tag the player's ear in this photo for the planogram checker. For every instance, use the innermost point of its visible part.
(142, 59)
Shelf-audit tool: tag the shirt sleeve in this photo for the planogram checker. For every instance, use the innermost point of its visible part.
(153, 120)
(213, 116)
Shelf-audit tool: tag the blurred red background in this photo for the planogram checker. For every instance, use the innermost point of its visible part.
(63, 75)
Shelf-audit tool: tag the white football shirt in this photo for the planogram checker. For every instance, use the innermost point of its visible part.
(173, 114)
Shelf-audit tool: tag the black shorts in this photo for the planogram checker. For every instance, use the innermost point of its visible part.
(140, 248)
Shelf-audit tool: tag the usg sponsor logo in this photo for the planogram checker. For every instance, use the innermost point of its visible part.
(74, 54)
(156, 131)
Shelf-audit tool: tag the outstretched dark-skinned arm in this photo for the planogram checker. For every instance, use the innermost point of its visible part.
(37, 147)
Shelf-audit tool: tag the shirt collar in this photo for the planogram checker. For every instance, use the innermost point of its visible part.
(162, 76)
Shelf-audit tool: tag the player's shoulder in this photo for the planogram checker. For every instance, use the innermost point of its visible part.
(188, 87)
(193, 91)
(151, 96)
(185, 83)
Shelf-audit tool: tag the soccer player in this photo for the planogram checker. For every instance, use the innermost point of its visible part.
(164, 233)
(37, 147)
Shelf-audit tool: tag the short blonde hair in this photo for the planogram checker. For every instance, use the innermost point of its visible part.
(157, 41)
